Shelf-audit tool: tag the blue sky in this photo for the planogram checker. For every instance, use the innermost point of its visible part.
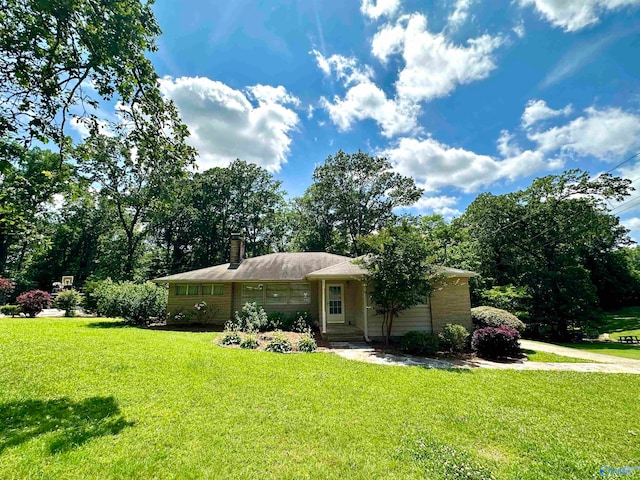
(466, 96)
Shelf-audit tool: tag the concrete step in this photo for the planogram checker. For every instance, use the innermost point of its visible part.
(343, 333)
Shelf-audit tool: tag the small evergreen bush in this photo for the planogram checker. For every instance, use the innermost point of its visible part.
(494, 317)
(230, 338)
(279, 344)
(301, 323)
(496, 342)
(307, 343)
(33, 302)
(275, 321)
(419, 343)
(453, 338)
(252, 318)
(10, 310)
(250, 342)
(68, 300)
(136, 303)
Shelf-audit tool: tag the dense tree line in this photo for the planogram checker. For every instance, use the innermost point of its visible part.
(553, 252)
(125, 203)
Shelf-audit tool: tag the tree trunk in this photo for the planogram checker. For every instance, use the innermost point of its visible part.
(389, 325)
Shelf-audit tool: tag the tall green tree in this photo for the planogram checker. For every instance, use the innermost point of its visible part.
(398, 267)
(134, 166)
(195, 228)
(59, 54)
(28, 183)
(352, 195)
(546, 239)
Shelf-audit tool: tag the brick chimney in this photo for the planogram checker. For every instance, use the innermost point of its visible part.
(236, 254)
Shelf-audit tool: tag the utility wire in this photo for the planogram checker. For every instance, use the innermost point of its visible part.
(608, 171)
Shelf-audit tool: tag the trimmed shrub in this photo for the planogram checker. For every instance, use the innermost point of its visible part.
(307, 343)
(10, 310)
(252, 318)
(453, 338)
(33, 302)
(68, 300)
(496, 342)
(302, 322)
(494, 317)
(6, 289)
(279, 344)
(230, 338)
(275, 321)
(250, 342)
(136, 303)
(419, 343)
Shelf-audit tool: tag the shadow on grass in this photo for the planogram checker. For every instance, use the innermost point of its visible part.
(195, 327)
(121, 324)
(627, 318)
(68, 424)
(172, 328)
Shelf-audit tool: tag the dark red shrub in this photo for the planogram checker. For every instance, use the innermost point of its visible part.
(6, 289)
(496, 342)
(33, 302)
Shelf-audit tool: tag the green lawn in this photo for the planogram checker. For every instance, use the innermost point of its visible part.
(625, 319)
(607, 348)
(535, 356)
(81, 400)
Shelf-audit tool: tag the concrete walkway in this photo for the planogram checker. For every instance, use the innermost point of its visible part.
(363, 352)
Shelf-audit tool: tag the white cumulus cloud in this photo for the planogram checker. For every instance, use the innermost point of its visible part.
(433, 65)
(537, 110)
(364, 99)
(442, 205)
(375, 9)
(254, 125)
(573, 15)
(460, 13)
(606, 134)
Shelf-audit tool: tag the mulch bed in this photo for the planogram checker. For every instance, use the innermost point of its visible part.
(265, 337)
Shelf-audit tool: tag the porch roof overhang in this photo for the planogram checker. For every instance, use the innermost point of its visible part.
(349, 270)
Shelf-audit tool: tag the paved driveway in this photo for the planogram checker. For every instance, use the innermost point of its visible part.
(363, 352)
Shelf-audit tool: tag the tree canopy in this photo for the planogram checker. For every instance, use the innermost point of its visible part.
(352, 195)
(60, 58)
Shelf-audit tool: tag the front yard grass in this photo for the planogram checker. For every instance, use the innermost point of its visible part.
(607, 348)
(535, 356)
(81, 400)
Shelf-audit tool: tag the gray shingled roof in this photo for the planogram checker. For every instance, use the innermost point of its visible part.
(350, 269)
(285, 267)
(275, 266)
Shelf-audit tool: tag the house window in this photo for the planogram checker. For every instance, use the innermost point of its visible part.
(187, 290)
(252, 292)
(212, 290)
(300, 293)
(277, 294)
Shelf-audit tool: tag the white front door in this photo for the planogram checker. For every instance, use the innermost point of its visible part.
(335, 303)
